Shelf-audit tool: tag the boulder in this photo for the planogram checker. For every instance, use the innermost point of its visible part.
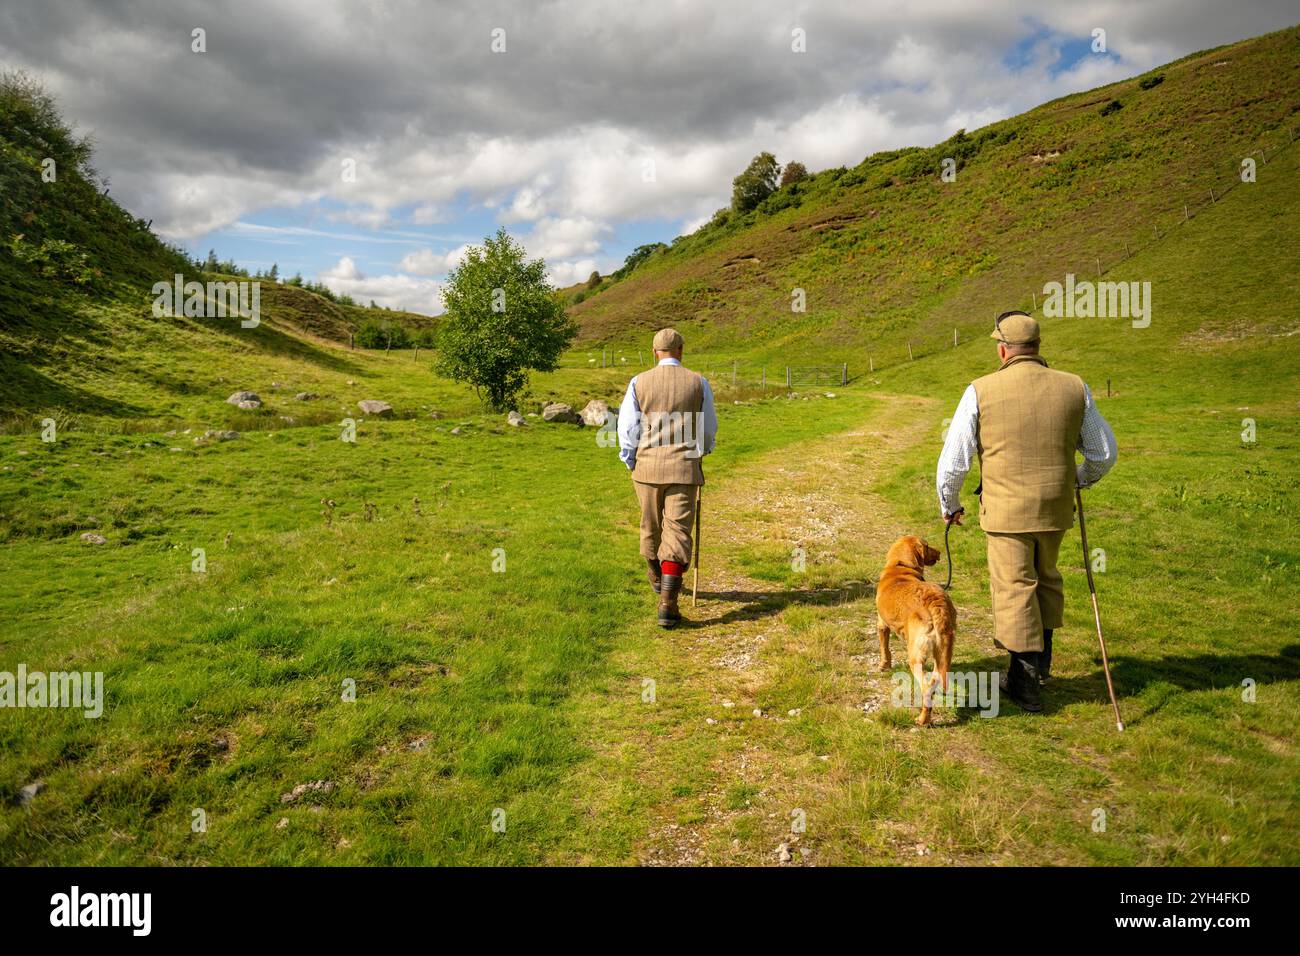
(560, 412)
(595, 413)
(249, 404)
(514, 418)
(372, 407)
(91, 537)
(220, 434)
(239, 397)
(306, 397)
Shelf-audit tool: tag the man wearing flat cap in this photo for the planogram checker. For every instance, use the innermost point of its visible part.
(1024, 422)
(666, 424)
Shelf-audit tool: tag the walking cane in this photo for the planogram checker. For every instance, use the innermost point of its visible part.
(695, 584)
(1092, 588)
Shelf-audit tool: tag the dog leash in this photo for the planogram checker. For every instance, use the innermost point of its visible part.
(948, 552)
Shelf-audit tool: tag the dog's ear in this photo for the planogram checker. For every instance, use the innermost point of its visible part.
(927, 555)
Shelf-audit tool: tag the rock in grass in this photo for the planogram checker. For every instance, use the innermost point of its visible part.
(244, 396)
(514, 418)
(90, 537)
(315, 786)
(28, 793)
(249, 405)
(456, 430)
(306, 397)
(560, 412)
(783, 853)
(377, 408)
(595, 413)
(219, 434)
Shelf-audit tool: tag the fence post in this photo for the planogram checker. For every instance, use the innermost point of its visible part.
(909, 352)
(954, 336)
(871, 365)
(1099, 265)
(787, 376)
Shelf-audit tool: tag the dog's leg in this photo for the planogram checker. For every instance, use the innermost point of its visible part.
(882, 631)
(917, 663)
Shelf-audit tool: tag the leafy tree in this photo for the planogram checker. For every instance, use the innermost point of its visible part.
(593, 280)
(638, 255)
(503, 319)
(755, 184)
(793, 173)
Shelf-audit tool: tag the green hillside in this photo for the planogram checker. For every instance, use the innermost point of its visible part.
(887, 253)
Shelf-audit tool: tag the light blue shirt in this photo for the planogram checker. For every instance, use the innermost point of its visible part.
(629, 422)
(961, 448)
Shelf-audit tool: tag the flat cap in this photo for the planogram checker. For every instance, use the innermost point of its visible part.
(668, 340)
(1015, 328)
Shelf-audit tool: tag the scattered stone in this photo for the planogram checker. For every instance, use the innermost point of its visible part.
(435, 415)
(830, 394)
(220, 434)
(91, 537)
(728, 704)
(419, 743)
(560, 412)
(793, 713)
(249, 405)
(456, 430)
(922, 850)
(515, 419)
(595, 413)
(377, 408)
(710, 721)
(240, 397)
(805, 851)
(282, 823)
(306, 397)
(315, 786)
(173, 449)
(783, 853)
(758, 712)
(29, 792)
(350, 382)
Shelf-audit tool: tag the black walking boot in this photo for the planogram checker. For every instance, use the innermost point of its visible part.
(653, 574)
(1045, 657)
(1020, 682)
(669, 587)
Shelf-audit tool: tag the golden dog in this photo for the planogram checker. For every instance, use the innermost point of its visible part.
(921, 612)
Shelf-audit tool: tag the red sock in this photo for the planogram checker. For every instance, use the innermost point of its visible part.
(672, 568)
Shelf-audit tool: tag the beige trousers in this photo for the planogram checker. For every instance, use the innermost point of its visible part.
(667, 514)
(1028, 593)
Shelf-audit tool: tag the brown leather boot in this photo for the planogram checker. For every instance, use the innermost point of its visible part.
(653, 574)
(670, 586)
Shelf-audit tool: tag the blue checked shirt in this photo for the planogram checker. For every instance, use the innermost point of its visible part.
(960, 449)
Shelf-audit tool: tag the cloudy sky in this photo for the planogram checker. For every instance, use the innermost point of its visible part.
(365, 144)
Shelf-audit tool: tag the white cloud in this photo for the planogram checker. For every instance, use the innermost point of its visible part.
(395, 291)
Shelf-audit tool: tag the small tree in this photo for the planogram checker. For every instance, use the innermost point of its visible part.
(503, 319)
(274, 274)
(755, 184)
(794, 173)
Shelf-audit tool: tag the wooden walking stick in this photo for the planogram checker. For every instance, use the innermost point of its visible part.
(1092, 588)
(695, 583)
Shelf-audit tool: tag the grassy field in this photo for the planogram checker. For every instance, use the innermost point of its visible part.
(398, 642)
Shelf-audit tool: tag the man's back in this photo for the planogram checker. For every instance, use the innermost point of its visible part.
(671, 399)
(1029, 420)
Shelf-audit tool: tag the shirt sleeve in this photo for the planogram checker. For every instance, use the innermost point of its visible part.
(708, 419)
(629, 426)
(959, 452)
(1097, 442)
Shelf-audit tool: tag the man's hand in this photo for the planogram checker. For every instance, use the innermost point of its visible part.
(955, 517)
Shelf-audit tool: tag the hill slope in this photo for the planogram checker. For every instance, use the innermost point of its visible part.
(885, 251)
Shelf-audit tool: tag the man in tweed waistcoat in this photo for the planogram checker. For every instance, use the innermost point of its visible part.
(1025, 422)
(666, 424)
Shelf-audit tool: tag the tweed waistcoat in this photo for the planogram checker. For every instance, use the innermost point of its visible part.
(671, 400)
(1029, 421)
